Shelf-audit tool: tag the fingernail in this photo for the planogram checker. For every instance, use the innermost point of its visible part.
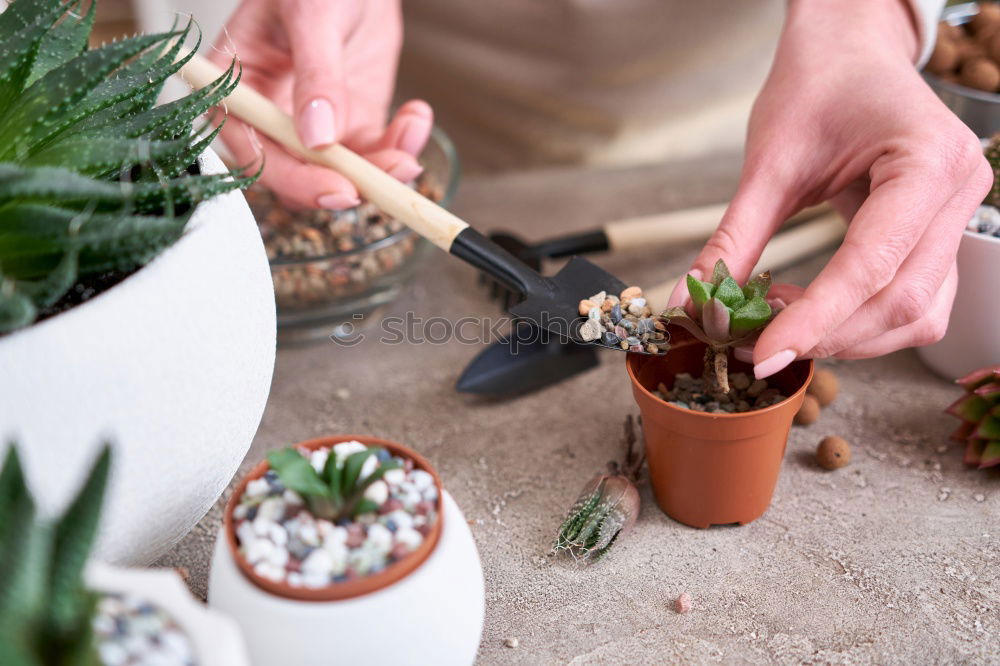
(406, 171)
(681, 296)
(414, 136)
(337, 201)
(743, 353)
(771, 365)
(316, 124)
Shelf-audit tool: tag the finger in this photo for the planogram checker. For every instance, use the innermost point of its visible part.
(299, 184)
(908, 297)
(409, 129)
(925, 331)
(905, 198)
(316, 29)
(758, 208)
(396, 163)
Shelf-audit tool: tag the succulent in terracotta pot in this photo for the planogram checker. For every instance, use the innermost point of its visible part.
(979, 411)
(726, 315)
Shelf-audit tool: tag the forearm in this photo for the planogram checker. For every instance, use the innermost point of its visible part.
(883, 27)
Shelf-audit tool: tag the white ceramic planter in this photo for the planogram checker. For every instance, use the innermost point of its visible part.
(433, 616)
(173, 364)
(216, 639)
(972, 340)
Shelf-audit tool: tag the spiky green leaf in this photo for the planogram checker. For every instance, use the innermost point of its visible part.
(751, 316)
(352, 470)
(729, 292)
(296, 472)
(720, 272)
(700, 291)
(66, 40)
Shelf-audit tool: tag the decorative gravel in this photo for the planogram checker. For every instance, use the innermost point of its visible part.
(130, 631)
(745, 395)
(284, 542)
(623, 321)
(986, 221)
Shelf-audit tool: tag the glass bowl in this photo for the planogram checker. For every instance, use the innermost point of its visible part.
(331, 269)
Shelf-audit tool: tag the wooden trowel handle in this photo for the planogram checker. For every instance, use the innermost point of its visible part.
(787, 247)
(417, 212)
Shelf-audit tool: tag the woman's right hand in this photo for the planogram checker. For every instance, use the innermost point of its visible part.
(331, 65)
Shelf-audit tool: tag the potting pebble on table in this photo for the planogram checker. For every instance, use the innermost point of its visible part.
(130, 631)
(284, 542)
(623, 321)
(745, 394)
(986, 221)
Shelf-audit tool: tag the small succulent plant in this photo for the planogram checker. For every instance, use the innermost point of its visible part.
(46, 611)
(94, 177)
(606, 509)
(979, 411)
(338, 491)
(726, 315)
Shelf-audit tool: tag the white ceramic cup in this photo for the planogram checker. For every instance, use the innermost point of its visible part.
(432, 616)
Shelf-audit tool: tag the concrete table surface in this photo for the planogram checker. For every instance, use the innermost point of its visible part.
(893, 559)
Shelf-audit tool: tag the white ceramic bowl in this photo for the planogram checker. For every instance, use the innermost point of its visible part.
(972, 340)
(173, 364)
(434, 616)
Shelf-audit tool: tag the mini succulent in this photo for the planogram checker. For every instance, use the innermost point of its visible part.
(606, 509)
(94, 177)
(979, 411)
(726, 315)
(46, 611)
(338, 491)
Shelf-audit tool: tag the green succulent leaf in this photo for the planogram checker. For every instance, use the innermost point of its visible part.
(700, 291)
(296, 472)
(990, 455)
(74, 536)
(352, 470)
(63, 42)
(364, 506)
(758, 285)
(729, 292)
(751, 316)
(331, 475)
(989, 428)
(16, 309)
(720, 272)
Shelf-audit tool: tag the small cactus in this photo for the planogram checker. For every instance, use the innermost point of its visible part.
(606, 509)
(726, 315)
(338, 491)
(46, 611)
(93, 176)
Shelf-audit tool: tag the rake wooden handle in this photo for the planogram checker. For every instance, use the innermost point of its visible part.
(678, 226)
(787, 247)
(419, 213)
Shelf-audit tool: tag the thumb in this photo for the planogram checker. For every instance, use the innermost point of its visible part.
(316, 32)
(758, 208)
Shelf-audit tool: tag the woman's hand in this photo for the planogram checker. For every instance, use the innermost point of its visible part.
(844, 116)
(331, 64)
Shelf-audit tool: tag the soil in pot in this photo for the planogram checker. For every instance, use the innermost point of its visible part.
(710, 468)
(130, 630)
(301, 548)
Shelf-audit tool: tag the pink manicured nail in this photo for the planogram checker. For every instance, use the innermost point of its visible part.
(771, 365)
(337, 201)
(743, 353)
(316, 124)
(406, 171)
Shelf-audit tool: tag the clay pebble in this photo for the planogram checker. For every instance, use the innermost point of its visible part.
(744, 396)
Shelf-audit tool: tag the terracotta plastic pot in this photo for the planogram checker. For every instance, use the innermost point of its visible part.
(350, 588)
(712, 469)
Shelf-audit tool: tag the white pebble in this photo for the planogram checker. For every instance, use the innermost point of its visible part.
(409, 537)
(292, 498)
(278, 557)
(177, 644)
(277, 534)
(421, 479)
(394, 477)
(595, 313)
(245, 533)
(259, 550)
(338, 557)
(308, 534)
(379, 537)
(402, 518)
(599, 297)
(378, 492)
(318, 563)
(257, 487)
(112, 654)
(345, 449)
(271, 509)
(318, 459)
(268, 571)
(366, 470)
(295, 579)
(431, 493)
(635, 309)
(262, 527)
(240, 512)
(641, 302)
(315, 580)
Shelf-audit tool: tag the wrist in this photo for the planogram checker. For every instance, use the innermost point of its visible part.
(884, 26)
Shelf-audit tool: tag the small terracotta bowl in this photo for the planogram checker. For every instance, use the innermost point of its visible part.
(349, 588)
